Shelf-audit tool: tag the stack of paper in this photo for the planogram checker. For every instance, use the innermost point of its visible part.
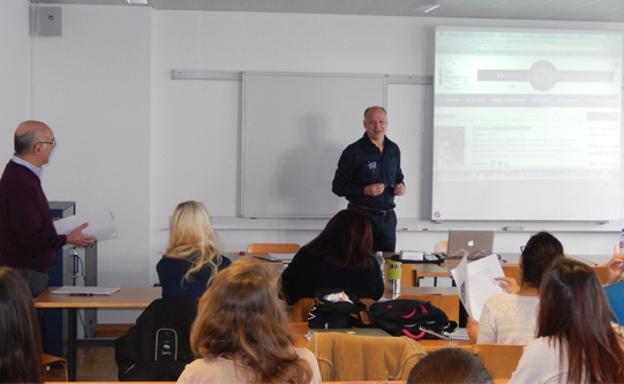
(475, 282)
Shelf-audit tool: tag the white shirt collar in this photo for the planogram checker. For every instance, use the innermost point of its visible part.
(36, 170)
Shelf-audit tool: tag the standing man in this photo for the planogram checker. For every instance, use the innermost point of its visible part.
(369, 175)
(28, 239)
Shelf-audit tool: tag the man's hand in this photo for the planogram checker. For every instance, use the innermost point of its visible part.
(399, 189)
(77, 238)
(374, 189)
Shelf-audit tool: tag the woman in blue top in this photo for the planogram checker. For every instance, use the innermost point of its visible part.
(192, 257)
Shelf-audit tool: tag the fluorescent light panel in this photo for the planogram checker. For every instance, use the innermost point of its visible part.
(137, 2)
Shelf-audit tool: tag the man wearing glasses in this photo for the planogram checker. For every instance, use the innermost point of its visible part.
(27, 236)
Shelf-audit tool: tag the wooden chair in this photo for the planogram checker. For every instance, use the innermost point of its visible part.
(272, 248)
(409, 275)
(441, 246)
(55, 368)
(499, 359)
(345, 357)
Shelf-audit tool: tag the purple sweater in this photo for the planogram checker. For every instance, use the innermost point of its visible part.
(27, 236)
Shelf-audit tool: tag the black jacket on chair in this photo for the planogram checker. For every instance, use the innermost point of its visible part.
(157, 347)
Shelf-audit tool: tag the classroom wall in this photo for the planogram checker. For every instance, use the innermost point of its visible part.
(93, 86)
(14, 71)
(135, 141)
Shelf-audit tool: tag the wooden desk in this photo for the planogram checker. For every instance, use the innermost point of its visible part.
(127, 297)
(510, 266)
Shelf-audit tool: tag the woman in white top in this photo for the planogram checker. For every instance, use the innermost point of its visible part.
(509, 318)
(576, 341)
(241, 333)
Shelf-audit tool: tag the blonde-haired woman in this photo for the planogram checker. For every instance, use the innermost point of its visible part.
(192, 257)
(241, 332)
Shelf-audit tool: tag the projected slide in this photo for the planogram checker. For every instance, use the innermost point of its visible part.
(527, 124)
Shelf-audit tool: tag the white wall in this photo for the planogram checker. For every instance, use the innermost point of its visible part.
(92, 86)
(135, 141)
(14, 71)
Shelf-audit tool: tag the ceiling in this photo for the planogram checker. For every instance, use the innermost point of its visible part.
(580, 10)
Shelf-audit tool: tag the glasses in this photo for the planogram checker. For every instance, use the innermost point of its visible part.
(52, 143)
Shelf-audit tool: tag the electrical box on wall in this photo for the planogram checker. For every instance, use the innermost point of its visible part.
(49, 21)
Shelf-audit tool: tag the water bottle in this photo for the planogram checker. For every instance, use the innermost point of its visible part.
(382, 263)
(394, 278)
(621, 241)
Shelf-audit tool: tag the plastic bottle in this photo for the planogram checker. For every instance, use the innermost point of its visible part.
(382, 264)
(394, 278)
(621, 240)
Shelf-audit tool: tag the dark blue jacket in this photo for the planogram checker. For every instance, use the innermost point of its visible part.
(171, 273)
(361, 164)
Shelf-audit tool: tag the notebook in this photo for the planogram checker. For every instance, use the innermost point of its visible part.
(475, 244)
(86, 291)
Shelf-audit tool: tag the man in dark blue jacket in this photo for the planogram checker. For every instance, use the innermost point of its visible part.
(369, 175)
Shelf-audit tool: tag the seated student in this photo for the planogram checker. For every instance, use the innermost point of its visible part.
(192, 258)
(241, 333)
(20, 341)
(449, 365)
(339, 257)
(576, 341)
(615, 286)
(509, 318)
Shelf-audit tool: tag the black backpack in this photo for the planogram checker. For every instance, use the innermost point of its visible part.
(411, 318)
(157, 348)
(326, 314)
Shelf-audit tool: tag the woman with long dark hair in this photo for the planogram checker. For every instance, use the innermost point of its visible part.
(241, 332)
(576, 341)
(339, 257)
(20, 341)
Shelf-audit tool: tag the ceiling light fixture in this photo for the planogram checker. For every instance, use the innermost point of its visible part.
(137, 2)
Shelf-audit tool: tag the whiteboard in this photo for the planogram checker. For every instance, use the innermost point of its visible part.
(294, 128)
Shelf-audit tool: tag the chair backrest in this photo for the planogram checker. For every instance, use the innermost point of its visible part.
(499, 359)
(273, 248)
(55, 368)
(345, 357)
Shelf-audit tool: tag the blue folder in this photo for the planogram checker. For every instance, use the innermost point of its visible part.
(615, 296)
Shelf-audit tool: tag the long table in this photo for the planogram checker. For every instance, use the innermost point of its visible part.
(126, 297)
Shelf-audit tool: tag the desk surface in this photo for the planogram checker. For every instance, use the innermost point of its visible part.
(126, 297)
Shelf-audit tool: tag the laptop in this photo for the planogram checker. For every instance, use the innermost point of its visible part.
(475, 244)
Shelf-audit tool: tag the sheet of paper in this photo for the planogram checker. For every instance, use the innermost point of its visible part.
(460, 273)
(101, 224)
(475, 282)
(80, 290)
(481, 283)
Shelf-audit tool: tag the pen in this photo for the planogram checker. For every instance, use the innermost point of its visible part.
(81, 294)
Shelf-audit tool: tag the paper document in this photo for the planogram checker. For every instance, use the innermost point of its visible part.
(84, 291)
(475, 282)
(101, 225)
(283, 257)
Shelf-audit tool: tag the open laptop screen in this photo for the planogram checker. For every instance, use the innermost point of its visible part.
(475, 244)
